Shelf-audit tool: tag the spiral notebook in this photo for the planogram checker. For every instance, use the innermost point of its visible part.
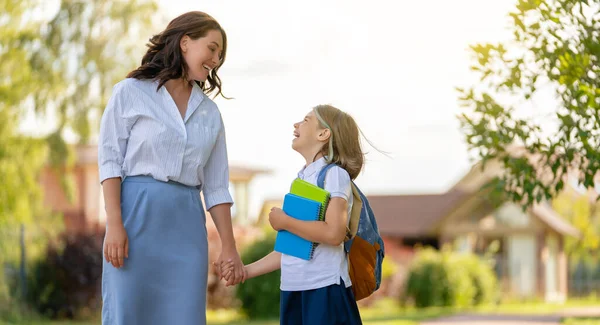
(313, 192)
(303, 209)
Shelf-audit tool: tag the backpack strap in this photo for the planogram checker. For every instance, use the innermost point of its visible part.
(322, 174)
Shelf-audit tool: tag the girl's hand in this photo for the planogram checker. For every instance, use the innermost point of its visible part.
(277, 218)
(116, 245)
(226, 269)
(244, 275)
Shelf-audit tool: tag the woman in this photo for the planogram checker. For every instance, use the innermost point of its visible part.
(162, 141)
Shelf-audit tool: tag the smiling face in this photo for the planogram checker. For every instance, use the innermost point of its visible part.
(309, 136)
(202, 55)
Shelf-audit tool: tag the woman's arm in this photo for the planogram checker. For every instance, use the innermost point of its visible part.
(218, 203)
(221, 215)
(116, 243)
(112, 146)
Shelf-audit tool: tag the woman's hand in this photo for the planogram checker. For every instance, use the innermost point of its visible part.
(116, 245)
(231, 256)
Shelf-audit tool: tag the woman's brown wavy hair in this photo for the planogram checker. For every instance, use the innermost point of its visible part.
(164, 61)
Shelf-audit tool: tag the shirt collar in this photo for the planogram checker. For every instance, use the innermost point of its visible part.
(196, 97)
(312, 168)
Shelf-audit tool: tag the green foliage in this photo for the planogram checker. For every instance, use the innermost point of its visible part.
(449, 279)
(482, 277)
(584, 215)
(556, 44)
(21, 161)
(388, 268)
(21, 158)
(66, 282)
(260, 296)
(86, 47)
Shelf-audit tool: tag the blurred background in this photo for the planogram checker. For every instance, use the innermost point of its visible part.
(487, 198)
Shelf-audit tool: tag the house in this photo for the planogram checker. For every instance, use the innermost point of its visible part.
(528, 245)
(85, 211)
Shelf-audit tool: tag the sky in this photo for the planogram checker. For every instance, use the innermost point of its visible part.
(392, 65)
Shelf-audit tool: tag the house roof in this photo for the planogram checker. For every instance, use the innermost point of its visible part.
(412, 215)
(547, 215)
(418, 215)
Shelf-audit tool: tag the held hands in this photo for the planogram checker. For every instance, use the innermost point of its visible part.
(277, 218)
(235, 276)
(227, 270)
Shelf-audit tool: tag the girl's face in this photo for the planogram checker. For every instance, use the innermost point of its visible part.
(202, 55)
(309, 136)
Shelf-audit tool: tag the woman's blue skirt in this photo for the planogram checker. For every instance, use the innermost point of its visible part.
(164, 279)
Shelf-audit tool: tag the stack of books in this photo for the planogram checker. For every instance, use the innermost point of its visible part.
(306, 202)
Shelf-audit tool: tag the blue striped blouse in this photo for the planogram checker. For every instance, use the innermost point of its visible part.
(142, 133)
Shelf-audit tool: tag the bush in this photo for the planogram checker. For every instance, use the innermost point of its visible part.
(67, 281)
(449, 279)
(483, 278)
(260, 296)
(388, 269)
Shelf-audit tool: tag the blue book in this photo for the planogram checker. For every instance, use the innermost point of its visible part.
(302, 209)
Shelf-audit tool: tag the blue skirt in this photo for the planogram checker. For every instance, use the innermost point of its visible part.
(331, 305)
(164, 278)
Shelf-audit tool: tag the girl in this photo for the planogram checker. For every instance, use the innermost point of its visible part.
(162, 140)
(318, 291)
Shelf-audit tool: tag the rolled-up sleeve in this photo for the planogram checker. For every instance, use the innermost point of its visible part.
(216, 173)
(114, 134)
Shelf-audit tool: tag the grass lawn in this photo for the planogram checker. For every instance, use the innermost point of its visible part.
(581, 321)
(385, 312)
(535, 307)
(388, 312)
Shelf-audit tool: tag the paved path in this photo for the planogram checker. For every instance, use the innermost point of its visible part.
(474, 319)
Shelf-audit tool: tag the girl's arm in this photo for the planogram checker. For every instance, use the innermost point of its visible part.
(332, 231)
(267, 264)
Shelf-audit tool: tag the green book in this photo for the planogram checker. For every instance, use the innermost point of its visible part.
(312, 192)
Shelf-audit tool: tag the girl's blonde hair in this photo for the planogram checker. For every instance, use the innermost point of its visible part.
(343, 147)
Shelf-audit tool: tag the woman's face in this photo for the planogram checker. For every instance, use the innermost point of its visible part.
(202, 55)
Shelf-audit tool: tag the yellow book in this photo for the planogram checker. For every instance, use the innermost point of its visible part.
(312, 192)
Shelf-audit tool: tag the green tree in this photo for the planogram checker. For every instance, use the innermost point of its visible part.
(583, 213)
(556, 43)
(87, 46)
(21, 157)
